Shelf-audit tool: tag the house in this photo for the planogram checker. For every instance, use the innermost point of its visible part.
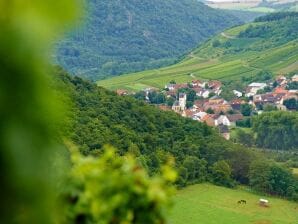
(253, 88)
(196, 83)
(170, 86)
(199, 115)
(237, 93)
(222, 120)
(236, 104)
(233, 118)
(209, 120)
(201, 92)
(224, 131)
(295, 78)
(215, 86)
(268, 98)
(217, 104)
(122, 92)
(281, 80)
(280, 90)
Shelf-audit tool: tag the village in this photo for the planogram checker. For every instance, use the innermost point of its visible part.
(202, 101)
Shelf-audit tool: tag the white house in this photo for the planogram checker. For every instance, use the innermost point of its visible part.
(295, 78)
(237, 93)
(253, 88)
(222, 119)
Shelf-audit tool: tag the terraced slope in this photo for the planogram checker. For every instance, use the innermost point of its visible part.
(241, 51)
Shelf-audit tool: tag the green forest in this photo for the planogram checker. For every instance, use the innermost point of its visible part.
(153, 136)
(128, 36)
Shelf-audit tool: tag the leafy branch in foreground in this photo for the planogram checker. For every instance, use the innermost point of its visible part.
(114, 189)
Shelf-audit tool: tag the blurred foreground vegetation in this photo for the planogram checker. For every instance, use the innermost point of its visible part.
(33, 160)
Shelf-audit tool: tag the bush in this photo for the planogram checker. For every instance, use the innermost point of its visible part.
(113, 189)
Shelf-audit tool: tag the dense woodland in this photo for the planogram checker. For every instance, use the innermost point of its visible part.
(126, 36)
(153, 136)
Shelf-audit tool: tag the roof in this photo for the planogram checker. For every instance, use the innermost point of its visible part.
(234, 117)
(257, 84)
(182, 95)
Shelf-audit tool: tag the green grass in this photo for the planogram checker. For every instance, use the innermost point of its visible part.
(295, 170)
(208, 62)
(209, 204)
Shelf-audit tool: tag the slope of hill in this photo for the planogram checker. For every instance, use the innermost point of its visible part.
(133, 35)
(270, 43)
(210, 204)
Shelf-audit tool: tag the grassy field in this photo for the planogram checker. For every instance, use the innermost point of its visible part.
(209, 204)
(295, 171)
(209, 62)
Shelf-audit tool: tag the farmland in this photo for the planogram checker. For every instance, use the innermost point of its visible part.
(209, 204)
(227, 56)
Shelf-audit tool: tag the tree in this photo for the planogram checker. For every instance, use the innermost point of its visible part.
(113, 189)
(215, 43)
(170, 101)
(221, 174)
(245, 138)
(259, 173)
(196, 169)
(246, 109)
(291, 104)
(269, 107)
(141, 95)
(276, 130)
(281, 181)
(209, 111)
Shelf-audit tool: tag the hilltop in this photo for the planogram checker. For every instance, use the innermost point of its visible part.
(128, 36)
(269, 43)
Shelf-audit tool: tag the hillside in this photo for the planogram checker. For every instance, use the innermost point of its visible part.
(127, 36)
(210, 204)
(100, 117)
(269, 43)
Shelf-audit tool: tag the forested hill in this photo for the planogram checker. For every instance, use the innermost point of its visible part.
(101, 117)
(133, 35)
(269, 43)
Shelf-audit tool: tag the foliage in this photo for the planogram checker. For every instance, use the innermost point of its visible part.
(291, 104)
(245, 138)
(101, 117)
(29, 109)
(246, 109)
(121, 37)
(245, 123)
(276, 130)
(114, 189)
(221, 173)
(273, 178)
(292, 85)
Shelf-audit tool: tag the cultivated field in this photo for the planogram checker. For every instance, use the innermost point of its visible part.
(209, 204)
(209, 62)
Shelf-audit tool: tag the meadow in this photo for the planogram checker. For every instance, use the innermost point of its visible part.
(243, 57)
(209, 204)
